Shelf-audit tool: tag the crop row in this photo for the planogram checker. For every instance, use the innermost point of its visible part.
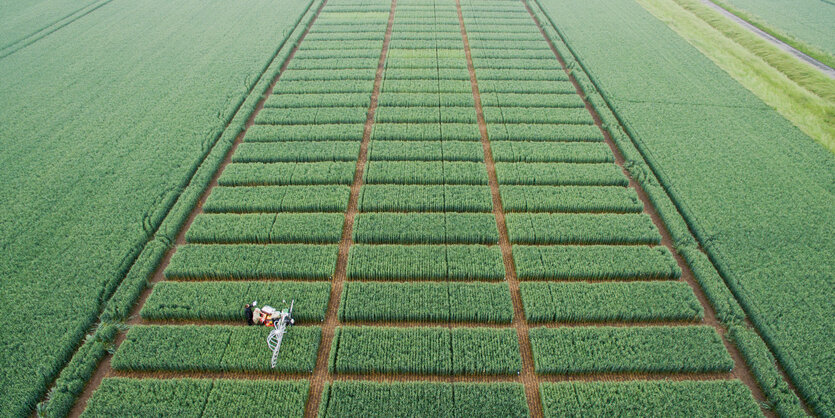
(319, 100)
(562, 174)
(421, 172)
(326, 132)
(551, 152)
(516, 101)
(330, 75)
(425, 151)
(407, 41)
(216, 348)
(537, 115)
(248, 262)
(423, 399)
(542, 132)
(653, 349)
(425, 350)
(284, 174)
(426, 131)
(600, 302)
(324, 86)
(425, 262)
(339, 63)
(426, 63)
(426, 301)
(439, 102)
(516, 64)
(581, 228)
(266, 228)
(719, 398)
(426, 228)
(570, 199)
(119, 396)
(429, 51)
(312, 151)
(425, 114)
(425, 86)
(432, 198)
(526, 86)
(312, 115)
(223, 301)
(327, 198)
(594, 262)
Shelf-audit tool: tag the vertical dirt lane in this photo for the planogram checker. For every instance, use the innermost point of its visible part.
(320, 373)
(528, 376)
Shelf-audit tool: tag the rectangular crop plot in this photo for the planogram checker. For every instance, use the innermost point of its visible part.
(426, 228)
(581, 228)
(218, 348)
(423, 399)
(531, 100)
(551, 152)
(444, 302)
(291, 101)
(425, 350)
(119, 396)
(285, 133)
(550, 116)
(629, 349)
(541, 132)
(323, 198)
(251, 262)
(412, 198)
(425, 262)
(313, 151)
(284, 174)
(600, 302)
(561, 174)
(425, 132)
(570, 199)
(724, 398)
(266, 228)
(594, 262)
(312, 115)
(224, 301)
(426, 172)
(425, 151)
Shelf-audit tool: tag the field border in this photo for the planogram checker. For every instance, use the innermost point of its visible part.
(687, 244)
(74, 379)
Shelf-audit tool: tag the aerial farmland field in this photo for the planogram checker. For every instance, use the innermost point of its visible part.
(467, 207)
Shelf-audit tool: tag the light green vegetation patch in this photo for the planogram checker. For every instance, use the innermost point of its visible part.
(426, 228)
(425, 262)
(581, 228)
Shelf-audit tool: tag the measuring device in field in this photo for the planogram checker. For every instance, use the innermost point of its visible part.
(280, 324)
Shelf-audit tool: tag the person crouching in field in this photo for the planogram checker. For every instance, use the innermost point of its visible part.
(248, 314)
(265, 315)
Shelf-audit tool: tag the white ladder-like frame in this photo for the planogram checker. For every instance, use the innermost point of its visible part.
(277, 335)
